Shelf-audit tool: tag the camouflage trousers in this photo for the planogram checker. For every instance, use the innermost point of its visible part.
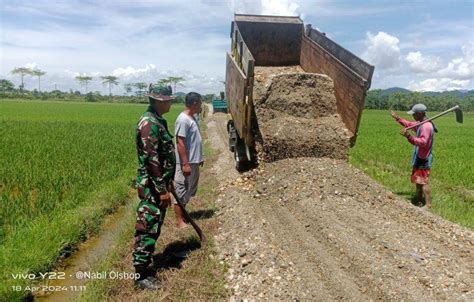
(147, 230)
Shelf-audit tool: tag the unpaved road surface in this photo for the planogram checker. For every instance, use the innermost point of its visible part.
(319, 229)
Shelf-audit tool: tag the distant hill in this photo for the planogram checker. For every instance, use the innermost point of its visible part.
(461, 94)
(390, 91)
(402, 99)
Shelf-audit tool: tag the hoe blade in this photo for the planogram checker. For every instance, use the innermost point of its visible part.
(459, 117)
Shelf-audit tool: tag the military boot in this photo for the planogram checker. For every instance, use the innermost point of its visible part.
(148, 284)
(146, 281)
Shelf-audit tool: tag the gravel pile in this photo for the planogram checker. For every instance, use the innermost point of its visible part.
(297, 115)
(318, 229)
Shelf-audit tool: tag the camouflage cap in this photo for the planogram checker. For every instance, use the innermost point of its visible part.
(160, 92)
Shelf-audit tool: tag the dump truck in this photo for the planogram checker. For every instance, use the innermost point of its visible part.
(283, 41)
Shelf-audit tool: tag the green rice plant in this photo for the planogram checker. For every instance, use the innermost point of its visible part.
(386, 156)
(63, 166)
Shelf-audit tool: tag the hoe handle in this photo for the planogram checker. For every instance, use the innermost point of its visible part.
(198, 230)
(434, 117)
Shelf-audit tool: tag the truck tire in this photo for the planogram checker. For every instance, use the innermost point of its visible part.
(232, 136)
(239, 165)
(244, 156)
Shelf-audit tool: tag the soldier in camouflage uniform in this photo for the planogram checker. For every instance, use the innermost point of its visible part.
(157, 164)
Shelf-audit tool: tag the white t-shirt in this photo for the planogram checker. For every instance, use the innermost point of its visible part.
(186, 126)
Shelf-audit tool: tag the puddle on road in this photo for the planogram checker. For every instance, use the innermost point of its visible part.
(85, 259)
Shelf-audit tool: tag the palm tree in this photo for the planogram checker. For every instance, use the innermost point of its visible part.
(128, 87)
(80, 80)
(164, 82)
(83, 80)
(86, 80)
(141, 86)
(175, 81)
(39, 74)
(110, 80)
(22, 71)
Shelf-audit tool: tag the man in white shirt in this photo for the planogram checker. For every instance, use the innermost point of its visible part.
(188, 153)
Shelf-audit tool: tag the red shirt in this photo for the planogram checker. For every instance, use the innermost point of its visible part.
(424, 140)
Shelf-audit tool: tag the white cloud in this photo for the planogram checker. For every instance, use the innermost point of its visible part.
(279, 7)
(202, 84)
(245, 6)
(382, 50)
(419, 63)
(336, 9)
(442, 84)
(32, 65)
(437, 35)
(133, 72)
(74, 74)
(264, 7)
(461, 68)
(457, 74)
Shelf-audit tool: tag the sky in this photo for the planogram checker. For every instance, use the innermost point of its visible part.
(422, 45)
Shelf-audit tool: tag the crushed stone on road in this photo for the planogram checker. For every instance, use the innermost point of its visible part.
(319, 229)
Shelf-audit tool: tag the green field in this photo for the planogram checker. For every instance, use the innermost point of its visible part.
(63, 166)
(386, 156)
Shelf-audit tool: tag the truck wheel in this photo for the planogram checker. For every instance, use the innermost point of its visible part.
(244, 157)
(232, 136)
(239, 165)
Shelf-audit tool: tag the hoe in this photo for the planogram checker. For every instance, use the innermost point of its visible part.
(198, 230)
(456, 110)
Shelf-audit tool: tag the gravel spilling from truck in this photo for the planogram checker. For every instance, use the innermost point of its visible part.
(319, 229)
(297, 115)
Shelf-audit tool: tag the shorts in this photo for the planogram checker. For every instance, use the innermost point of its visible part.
(186, 186)
(420, 176)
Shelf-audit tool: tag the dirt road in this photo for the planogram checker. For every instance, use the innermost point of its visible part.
(320, 229)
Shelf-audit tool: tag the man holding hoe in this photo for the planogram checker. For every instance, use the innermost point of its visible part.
(189, 155)
(423, 151)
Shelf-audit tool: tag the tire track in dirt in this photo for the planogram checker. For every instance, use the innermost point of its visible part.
(372, 232)
(314, 262)
(311, 228)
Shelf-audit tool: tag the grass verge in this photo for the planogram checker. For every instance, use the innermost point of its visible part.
(199, 277)
(39, 246)
(384, 155)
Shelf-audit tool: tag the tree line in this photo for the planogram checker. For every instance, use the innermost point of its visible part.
(403, 101)
(134, 91)
(139, 89)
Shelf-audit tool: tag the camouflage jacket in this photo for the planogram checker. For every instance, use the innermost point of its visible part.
(156, 154)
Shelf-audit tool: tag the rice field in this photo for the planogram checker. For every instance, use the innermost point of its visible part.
(386, 156)
(63, 166)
